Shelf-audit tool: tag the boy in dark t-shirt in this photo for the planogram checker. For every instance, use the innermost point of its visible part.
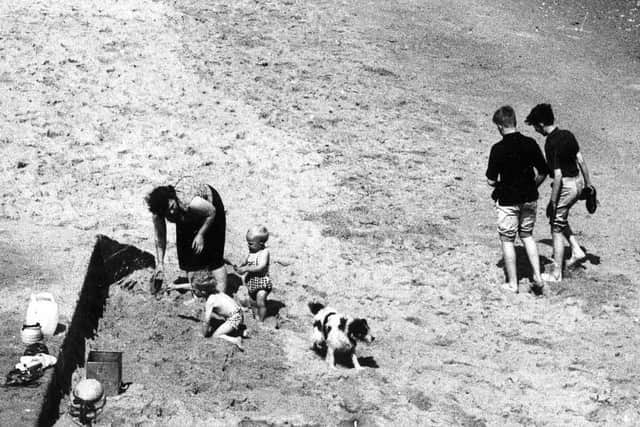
(511, 172)
(565, 164)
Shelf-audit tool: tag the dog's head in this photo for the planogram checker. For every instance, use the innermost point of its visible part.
(358, 329)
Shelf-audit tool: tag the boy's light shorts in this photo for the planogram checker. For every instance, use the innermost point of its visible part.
(569, 193)
(518, 219)
(236, 319)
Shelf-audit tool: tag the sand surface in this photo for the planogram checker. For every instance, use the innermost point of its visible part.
(358, 132)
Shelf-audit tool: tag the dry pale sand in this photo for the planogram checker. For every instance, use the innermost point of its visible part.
(358, 132)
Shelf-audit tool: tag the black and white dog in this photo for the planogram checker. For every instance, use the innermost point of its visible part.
(337, 333)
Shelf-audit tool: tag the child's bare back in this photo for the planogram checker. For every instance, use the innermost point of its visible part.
(222, 304)
(224, 307)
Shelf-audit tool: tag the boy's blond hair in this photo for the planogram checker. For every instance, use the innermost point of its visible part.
(258, 232)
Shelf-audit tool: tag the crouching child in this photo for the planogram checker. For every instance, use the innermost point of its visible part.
(222, 307)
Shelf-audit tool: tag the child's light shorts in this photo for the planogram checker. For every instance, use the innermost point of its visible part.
(236, 319)
(516, 220)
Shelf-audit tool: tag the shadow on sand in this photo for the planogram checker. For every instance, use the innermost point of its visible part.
(522, 264)
(592, 259)
(110, 261)
(344, 359)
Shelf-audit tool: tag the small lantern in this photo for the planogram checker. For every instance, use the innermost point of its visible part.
(88, 401)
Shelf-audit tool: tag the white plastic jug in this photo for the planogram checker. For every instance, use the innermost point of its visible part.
(43, 309)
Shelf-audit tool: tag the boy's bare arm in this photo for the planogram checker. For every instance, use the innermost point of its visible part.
(217, 316)
(555, 188)
(223, 305)
(217, 308)
(541, 167)
(585, 170)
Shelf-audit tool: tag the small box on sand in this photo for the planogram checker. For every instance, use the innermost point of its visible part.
(106, 367)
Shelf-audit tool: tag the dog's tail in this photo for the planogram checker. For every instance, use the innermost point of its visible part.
(315, 307)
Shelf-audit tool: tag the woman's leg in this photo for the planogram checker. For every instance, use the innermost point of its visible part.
(220, 274)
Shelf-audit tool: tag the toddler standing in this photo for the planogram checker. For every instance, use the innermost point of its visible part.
(256, 268)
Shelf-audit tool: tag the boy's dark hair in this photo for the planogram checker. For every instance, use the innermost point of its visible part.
(505, 116)
(541, 113)
(158, 199)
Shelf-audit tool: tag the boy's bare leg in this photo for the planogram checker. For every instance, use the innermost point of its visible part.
(261, 301)
(531, 248)
(237, 341)
(223, 332)
(558, 255)
(509, 253)
(577, 254)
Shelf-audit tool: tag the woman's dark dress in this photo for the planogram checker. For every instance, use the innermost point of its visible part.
(212, 255)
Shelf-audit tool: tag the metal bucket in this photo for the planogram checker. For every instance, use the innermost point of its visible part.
(106, 367)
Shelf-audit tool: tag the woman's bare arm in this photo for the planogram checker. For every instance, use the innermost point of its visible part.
(202, 207)
(160, 229)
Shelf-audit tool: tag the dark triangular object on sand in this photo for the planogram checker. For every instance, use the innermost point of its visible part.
(110, 261)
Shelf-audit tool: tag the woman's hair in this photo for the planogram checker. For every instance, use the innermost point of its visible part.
(158, 199)
(258, 231)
